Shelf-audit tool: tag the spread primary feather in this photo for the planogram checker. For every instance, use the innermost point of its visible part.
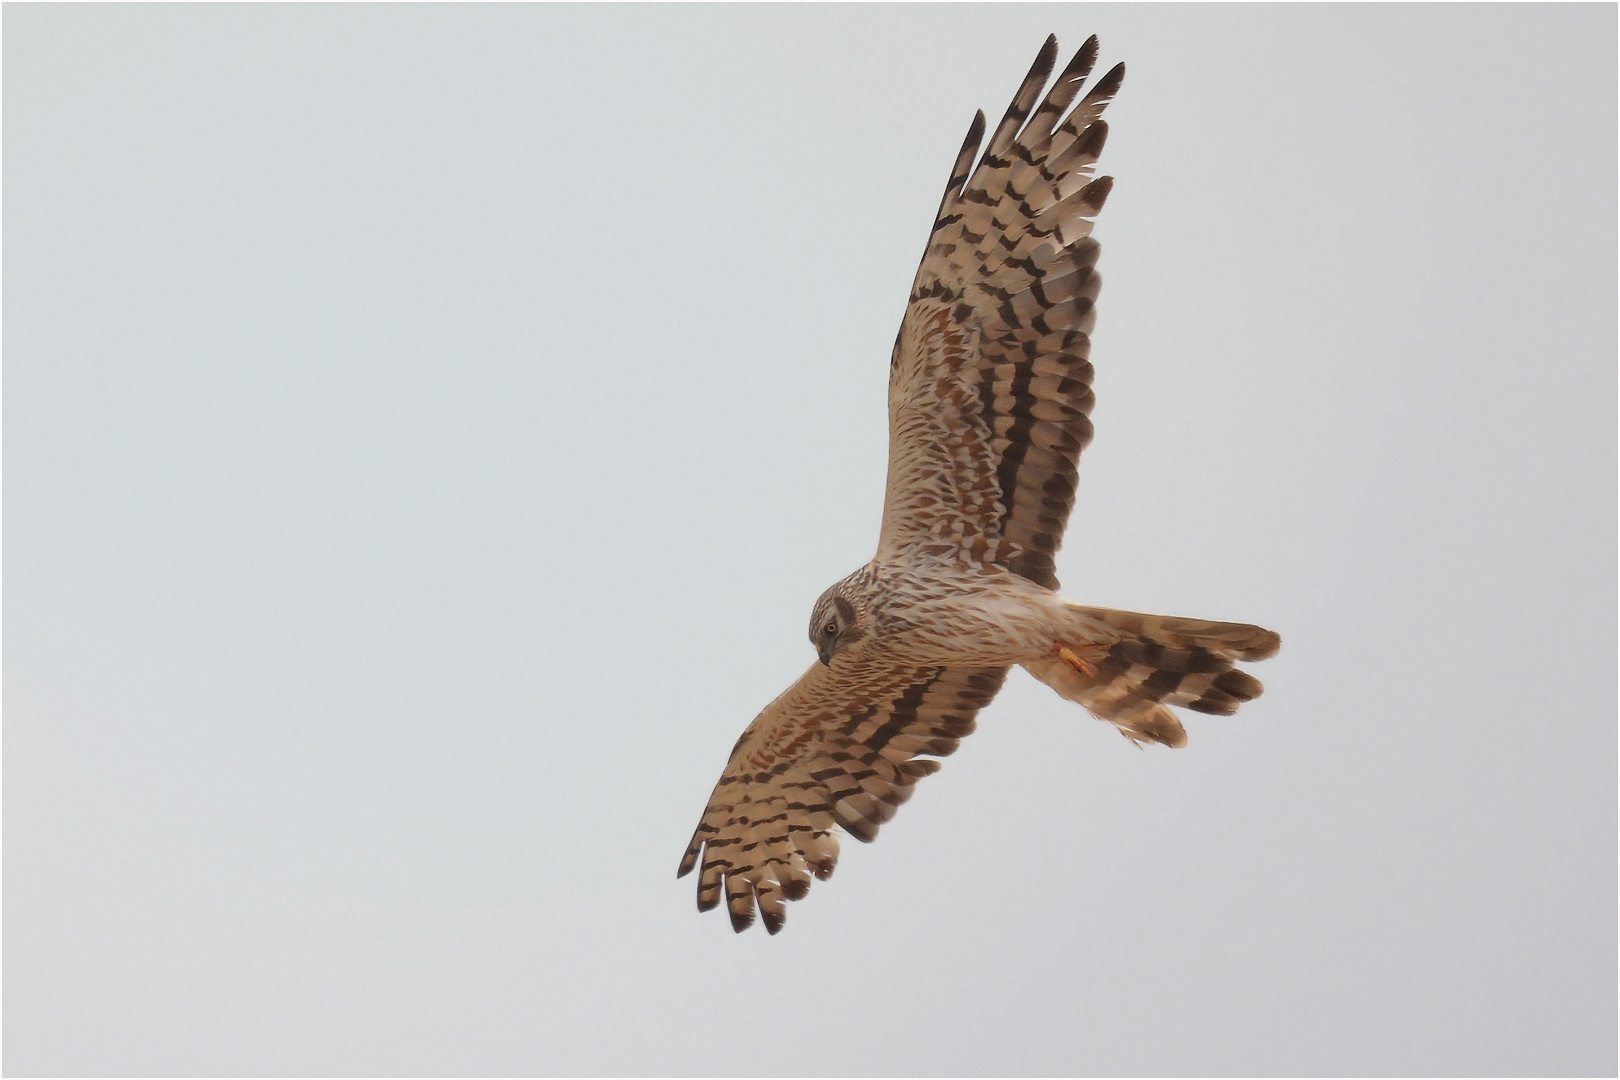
(989, 408)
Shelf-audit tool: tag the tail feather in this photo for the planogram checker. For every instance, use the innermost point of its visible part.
(1126, 667)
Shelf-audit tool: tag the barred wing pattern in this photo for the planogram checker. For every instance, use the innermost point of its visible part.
(989, 396)
(990, 382)
(838, 747)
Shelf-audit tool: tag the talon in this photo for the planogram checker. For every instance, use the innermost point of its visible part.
(1069, 657)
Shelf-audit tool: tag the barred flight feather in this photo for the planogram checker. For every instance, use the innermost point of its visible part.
(999, 321)
(989, 409)
(839, 747)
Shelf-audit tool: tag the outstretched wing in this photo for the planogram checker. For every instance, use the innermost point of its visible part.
(839, 747)
(990, 385)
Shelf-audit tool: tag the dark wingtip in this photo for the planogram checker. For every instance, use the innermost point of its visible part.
(773, 922)
(1109, 84)
(975, 130)
(964, 163)
(741, 922)
(1084, 59)
(1096, 192)
(1039, 72)
(1092, 140)
(1045, 60)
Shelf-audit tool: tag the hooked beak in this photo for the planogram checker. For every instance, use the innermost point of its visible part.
(826, 655)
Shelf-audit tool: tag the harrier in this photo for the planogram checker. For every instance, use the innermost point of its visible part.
(989, 403)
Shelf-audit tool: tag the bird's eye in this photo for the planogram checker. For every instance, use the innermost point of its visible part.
(832, 628)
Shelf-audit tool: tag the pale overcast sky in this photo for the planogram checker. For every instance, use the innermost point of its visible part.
(426, 429)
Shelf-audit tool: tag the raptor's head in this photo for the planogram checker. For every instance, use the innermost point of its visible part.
(839, 618)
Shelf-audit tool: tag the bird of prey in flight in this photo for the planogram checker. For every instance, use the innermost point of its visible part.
(989, 403)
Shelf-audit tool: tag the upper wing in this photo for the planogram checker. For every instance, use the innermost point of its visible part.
(839, 747)
(990, 385)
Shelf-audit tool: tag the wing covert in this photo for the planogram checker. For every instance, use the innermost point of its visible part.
(990, 381)
(838, 747)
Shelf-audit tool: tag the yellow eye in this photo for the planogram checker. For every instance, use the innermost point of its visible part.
(832, 628)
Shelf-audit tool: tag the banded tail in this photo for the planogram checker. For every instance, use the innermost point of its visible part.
(1157, 660)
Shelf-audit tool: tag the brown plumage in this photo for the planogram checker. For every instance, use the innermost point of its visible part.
(989, 408)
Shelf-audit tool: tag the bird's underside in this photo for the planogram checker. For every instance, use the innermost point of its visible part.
(989, 408)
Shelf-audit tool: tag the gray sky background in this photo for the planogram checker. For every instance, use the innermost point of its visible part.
(426, 430)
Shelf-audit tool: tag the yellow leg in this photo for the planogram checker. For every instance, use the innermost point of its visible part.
(1068, 656)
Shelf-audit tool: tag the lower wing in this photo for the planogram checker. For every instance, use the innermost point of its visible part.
(839, 747)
